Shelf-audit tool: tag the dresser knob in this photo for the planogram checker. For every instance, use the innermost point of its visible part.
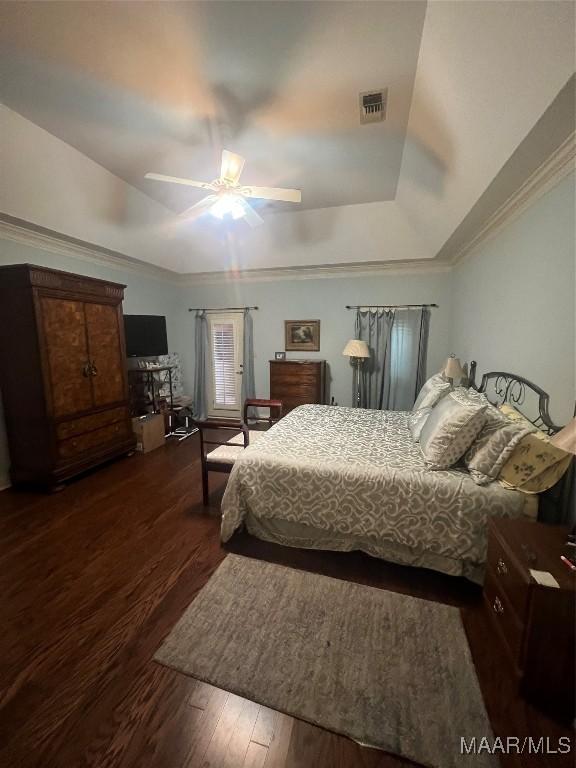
(498, 607)
(501, 567)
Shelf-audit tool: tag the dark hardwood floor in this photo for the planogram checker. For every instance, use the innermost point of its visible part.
(93, 578)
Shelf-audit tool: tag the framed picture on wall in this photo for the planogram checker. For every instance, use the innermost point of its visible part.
(302, 335)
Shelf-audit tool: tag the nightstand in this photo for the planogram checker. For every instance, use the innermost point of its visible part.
(534, 625)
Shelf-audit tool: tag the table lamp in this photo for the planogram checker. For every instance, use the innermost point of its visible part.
(453, 369)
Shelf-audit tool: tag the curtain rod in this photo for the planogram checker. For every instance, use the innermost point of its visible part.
(220, 309)
(390, 306)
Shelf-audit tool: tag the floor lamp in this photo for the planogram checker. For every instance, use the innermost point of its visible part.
(357, 351)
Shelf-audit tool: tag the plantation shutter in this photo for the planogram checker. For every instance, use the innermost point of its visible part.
(224, 362)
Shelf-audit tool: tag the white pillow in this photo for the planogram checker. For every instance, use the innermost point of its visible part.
(416, 421)
(451, 429)
(432, 391)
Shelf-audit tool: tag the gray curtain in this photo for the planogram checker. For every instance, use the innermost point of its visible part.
(248, 387)
(375, 328)
(422, 352)
(200, 369)
(398, 339)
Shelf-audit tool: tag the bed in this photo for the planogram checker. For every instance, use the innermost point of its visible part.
(352, 479)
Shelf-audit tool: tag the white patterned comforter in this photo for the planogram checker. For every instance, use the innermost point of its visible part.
(358, 472)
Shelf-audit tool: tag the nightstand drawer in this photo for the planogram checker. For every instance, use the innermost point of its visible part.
(509, 576)
(535, 625)
(504, 618)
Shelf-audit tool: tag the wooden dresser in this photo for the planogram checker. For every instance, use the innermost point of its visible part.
(297, 382)
(534, 624)
(63, 373)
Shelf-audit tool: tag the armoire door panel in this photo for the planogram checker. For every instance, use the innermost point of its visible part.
(67, 352)
(107, 372)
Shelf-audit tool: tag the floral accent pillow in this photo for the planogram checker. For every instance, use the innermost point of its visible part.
(493, 446)
(451, 429)
(432, 392)
(535, 465)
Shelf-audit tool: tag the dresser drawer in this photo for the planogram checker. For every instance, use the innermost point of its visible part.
(504, 618)
(73, 427)
(510, 578)
(293, 389)
(294, 373)
(91, 441)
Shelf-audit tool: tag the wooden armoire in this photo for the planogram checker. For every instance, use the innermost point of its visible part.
(62, 373)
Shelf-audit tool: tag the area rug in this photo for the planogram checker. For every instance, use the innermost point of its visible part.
(387, 670)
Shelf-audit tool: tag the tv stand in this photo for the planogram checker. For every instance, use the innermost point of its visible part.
(145, 385)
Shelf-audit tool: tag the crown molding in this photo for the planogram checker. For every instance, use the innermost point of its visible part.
(315, 272)
(556, 167)
(26, 233)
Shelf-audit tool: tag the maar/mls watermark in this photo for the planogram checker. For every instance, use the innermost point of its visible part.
(515, 745)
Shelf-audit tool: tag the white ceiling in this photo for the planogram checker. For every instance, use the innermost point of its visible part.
(164, 86)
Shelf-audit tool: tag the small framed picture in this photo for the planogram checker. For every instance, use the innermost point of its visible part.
(302, 335)
(279, 355)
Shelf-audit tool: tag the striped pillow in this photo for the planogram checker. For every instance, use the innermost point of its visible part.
(451, 429)
(493, 446)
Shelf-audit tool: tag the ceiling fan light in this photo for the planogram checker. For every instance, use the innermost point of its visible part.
(237, 211)
(228, 205)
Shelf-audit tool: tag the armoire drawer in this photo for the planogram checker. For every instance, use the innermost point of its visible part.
(90, 441)
(73, 427)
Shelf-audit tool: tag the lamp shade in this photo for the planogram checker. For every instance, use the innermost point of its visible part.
(453, 369)
(356, 348)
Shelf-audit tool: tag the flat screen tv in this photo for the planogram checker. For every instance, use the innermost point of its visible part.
(145, 335)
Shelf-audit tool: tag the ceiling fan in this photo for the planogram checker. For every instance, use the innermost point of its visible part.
(228, 196)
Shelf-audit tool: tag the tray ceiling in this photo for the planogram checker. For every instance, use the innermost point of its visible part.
(164, 86)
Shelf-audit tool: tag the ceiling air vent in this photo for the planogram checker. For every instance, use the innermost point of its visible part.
(373, 106)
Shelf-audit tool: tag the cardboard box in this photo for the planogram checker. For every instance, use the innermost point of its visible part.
(149, 431)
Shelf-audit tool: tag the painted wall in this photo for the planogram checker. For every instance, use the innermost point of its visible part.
(477, 61)
(144, 295)
(514, 303)
(49, 183)
(325, 299)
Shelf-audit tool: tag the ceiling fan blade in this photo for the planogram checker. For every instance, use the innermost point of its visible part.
(231, 168)
(273, 193)
(250, 216)
(177, 180)
(199, 208)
